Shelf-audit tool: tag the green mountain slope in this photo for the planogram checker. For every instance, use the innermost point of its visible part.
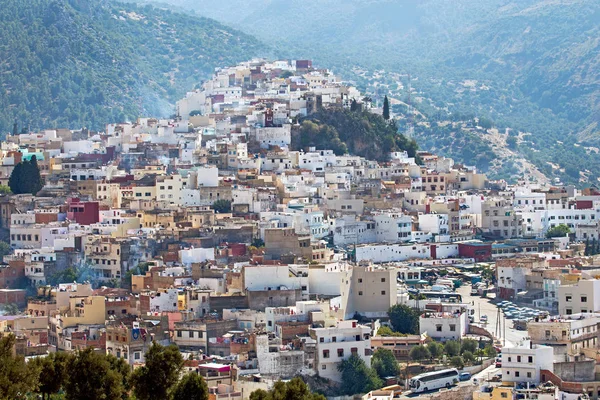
(537, 60)
(73, 63)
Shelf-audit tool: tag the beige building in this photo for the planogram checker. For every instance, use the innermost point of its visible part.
(582, 297)
(369, 291)
(569, 334)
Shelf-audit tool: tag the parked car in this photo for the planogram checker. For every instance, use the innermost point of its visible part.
(483, 318)
(464, 376)
(498, 362)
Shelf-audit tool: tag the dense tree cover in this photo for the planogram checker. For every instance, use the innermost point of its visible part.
(357, 377)
(191, 387)
(384, 362)
(26, 178)
(295, 389)
(560, 230)
(164, 362)
(360, 133)
(86, 374)
(222, 206)
(387, 331)
(452, 348)
(436, 349)
(419, 353)
(74, 63)
(53, 372)
(457, 362)
(404, 319)
(469, 345)
(16, 378)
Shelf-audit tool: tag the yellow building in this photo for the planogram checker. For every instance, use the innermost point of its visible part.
(497, 393)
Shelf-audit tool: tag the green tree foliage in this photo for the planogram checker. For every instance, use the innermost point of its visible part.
(468, 357)
(387, 331)
(357, 377)
(457, 362)
(164, 362)
(26, 178)
(86, 63)
(384, 363)
(489, 351)
(295, 389)
(222, 206)
(452, 348)
(354, 105)
(386, 108)
(139, 269)
(560, 230)
(436, 349)
(4, 249)
(468, 345)
(16, 378)
(404, 319)
(68, 275)
(90, 376)
(419, 353)
(360, 133)
(53, 372)
(10, 309)
(4, 190)
(191, 387)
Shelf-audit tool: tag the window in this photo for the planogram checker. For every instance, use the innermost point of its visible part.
(359, 280)
(452, 328)
(136, 355)
(530, 359)
(178, 333)
(360, 293)
(323, 366)
(509, 359)
(438, 328)
(333, 339)
(517, 374)
(340, 352)
(504, 395)
(321, 340)
(529, 374)
(354, 350)
(567, 298)
(547, 333)
(383, 292)
(325, 353)
(382, 279)
(583, 299)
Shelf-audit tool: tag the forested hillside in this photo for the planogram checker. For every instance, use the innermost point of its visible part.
(529, 65)
(74, 63)
(361, 133)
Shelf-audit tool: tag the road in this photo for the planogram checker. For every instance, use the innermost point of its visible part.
(483, 306)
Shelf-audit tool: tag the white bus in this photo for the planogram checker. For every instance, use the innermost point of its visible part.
(433, 380)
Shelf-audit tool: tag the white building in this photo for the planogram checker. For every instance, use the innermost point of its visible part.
(451, 323)
(524, 363)
(337, 343)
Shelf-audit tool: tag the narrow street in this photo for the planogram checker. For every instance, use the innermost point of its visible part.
(509, 337)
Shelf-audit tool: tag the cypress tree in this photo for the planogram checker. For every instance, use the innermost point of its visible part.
(353, 105)
(36, 178)
(15, 129)
(15, 181)
(386, 108)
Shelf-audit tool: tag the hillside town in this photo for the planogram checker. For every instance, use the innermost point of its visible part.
(263, 260)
